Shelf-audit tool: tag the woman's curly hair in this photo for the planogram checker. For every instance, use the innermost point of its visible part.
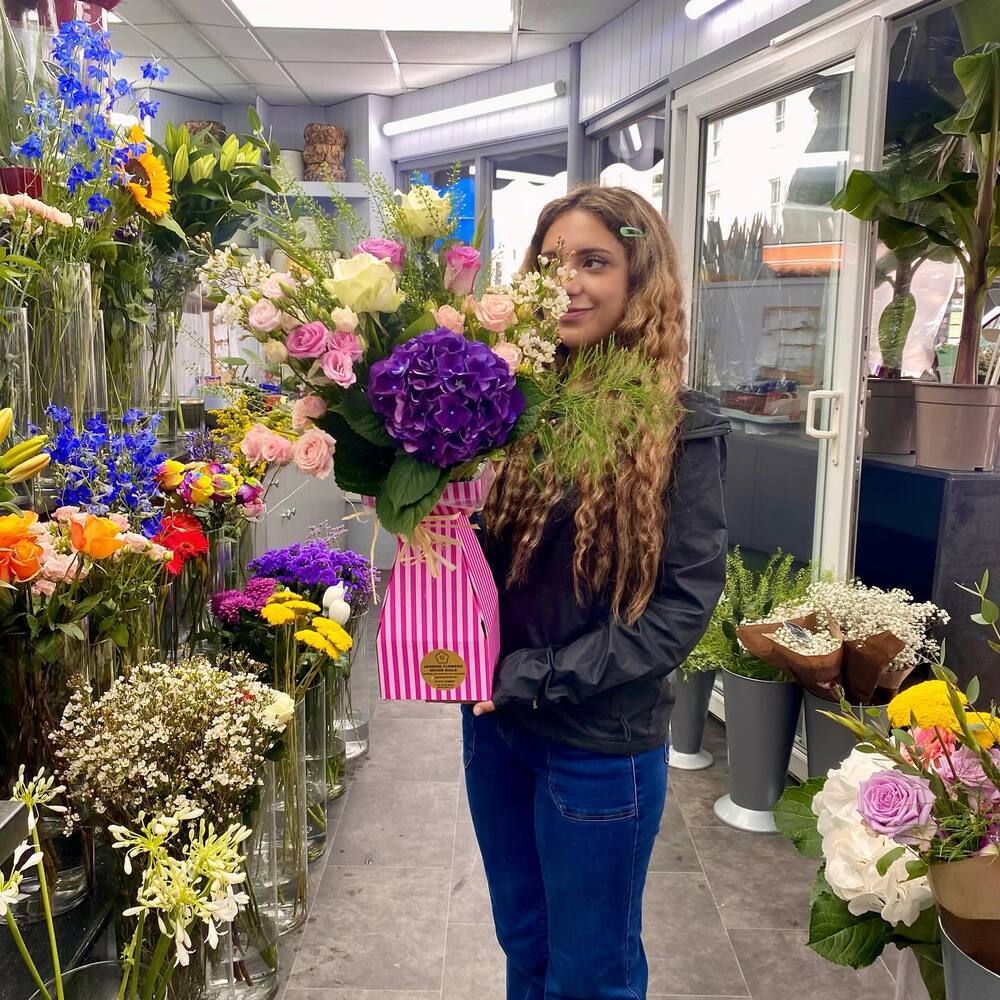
(620, 519)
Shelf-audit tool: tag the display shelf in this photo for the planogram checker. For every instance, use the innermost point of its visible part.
(351, 190)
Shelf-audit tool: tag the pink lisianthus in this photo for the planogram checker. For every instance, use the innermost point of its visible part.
(461, 265)
(381, 249)
(349, 343)
(308, 341)
(338, 368)
(264, 316)
(495, 311)
(313, 453)
(450, 318)
(271, 289)
(306, 409)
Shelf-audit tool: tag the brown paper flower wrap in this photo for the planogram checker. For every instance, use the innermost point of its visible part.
(867, 668)
(967, 894)
(818, 673)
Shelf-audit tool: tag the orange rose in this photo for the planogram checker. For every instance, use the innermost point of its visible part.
(97, 537)
(19, 553)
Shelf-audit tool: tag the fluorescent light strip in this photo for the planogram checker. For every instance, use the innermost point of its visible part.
(697, 8)
(502, 102)
(380, 15)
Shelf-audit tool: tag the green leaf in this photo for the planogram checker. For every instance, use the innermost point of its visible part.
(422, 324)
(359, 467)
(979, 75)
(795, 819)
(894, 326)
(72, 629)
(989, 612)
(534, 406)
(358, 413)
(403, 519)
(885, 862)
(840, 937)
(253, 118)
(972, 691)
(410, 480)
(167, 222)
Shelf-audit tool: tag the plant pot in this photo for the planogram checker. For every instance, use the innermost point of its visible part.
(761, 717)
(828, 743)
(20, 180)
(692, 693)
(967, 894)
(958, 426)
(964, 977)
(97, 981)
(890, 417)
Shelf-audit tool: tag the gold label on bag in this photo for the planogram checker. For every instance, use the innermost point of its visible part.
(443, 669)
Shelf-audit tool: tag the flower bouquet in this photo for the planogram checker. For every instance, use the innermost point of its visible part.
(911, 818)
(417, 383)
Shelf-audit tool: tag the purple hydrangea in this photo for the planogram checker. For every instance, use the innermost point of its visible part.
(444, 398)
(315, 565)
(227, 604)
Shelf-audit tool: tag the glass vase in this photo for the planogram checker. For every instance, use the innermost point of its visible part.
(316, 769)
(161, 343)
(97, 981)
(353, 722)
(230, 549)
(336, 748)
(15, 385)
(244, 964)
(37, 692)
(61, 343)
(124, 342)
(277, 851)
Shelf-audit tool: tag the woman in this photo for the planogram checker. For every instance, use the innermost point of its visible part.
(603, 592)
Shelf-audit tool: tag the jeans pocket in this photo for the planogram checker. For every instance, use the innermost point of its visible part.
(666, 752)
(468, 735)
(592, 787)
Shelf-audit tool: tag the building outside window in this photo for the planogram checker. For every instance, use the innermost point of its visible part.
(775, 216)
(633, 156)
(715, 140)
(779, 115)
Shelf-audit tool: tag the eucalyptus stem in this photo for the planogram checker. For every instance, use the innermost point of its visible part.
(43, 889)
(26, 955)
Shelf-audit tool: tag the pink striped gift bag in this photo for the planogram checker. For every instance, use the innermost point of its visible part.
(438, 635)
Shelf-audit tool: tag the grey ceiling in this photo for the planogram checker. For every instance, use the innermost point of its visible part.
(215, 55)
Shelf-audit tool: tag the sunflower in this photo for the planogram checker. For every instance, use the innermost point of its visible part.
(147, 178)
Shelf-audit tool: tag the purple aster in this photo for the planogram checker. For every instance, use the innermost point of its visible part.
(444, 398)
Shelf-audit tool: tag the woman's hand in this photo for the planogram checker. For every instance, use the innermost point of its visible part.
(482, 707)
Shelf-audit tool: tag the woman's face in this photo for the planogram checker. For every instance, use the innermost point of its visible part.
(598, 292)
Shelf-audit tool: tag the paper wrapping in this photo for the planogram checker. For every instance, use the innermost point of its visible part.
(967, 894)
(439, 631)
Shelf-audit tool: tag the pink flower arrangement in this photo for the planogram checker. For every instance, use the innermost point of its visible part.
(306, 409)
(261, 444)
(495, 312)
(308, 341)
(462, 264)
(264, 316)
(313, 453)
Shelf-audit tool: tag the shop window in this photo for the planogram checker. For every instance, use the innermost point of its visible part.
(460, 182)
(632, 157)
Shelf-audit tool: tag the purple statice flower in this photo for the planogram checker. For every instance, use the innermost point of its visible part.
(444, 398)
(897, 805)
(316, 566)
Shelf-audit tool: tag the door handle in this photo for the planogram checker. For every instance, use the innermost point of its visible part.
(836, 397)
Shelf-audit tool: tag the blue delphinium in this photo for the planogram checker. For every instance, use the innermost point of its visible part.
(105, 471)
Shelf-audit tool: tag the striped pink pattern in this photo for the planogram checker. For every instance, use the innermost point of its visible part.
(456, 611)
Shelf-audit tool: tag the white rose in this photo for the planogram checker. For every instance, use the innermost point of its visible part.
(365, 284)
(425, 211)
(344, 319)
(278, 712)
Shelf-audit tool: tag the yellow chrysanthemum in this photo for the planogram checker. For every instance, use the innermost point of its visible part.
(928, 704)
(300, 605)
(312, 638)
(985, 728)
(277, 614)
(282, 596)
(147, 177)
(334, 632)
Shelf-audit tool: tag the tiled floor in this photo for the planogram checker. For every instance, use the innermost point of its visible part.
(401, 910)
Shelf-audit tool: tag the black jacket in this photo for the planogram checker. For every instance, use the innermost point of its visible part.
(574, 675)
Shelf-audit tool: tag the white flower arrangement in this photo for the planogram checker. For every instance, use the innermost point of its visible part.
(169, 739)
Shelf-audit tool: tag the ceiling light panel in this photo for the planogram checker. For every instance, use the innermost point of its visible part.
(380, 15)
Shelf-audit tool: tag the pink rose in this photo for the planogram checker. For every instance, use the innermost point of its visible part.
(308, 341)
(120, 519)
(253, 443)
(449, 318)
(349, 343)
(275, 449)
(510, 353)
(135, 542)
(338, 368)
(313, 453)
(305, 409)
(271, 289)
(495, 311)
(265, 316)
(388, 250)
(65, 513)
(461, 265)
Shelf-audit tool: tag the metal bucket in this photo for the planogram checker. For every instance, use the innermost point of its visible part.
(692, 693)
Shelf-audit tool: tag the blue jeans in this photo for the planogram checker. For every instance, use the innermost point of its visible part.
(566, 836)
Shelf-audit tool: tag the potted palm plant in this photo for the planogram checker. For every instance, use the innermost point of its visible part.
(955, 210)
(762, 703)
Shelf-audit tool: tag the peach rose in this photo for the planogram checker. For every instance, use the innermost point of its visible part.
(275, 449)
(253, 442)
(449, 318)
(495, 311)
(510, 353)
(313, 453)
(305, 409)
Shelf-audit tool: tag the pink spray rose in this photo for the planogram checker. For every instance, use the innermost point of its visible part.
(349, 343)
(65, 513)
(510, 353)
(495, 311)
(271, 289)
(338, 368)
(265, 316)
(461, 265)
(308, 341)
(253, 443)
(275, 449)
(388, 250)
(313, 453)
(305, 409)
(450, 318)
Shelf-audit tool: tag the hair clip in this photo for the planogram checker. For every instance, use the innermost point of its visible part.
(631, 231)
